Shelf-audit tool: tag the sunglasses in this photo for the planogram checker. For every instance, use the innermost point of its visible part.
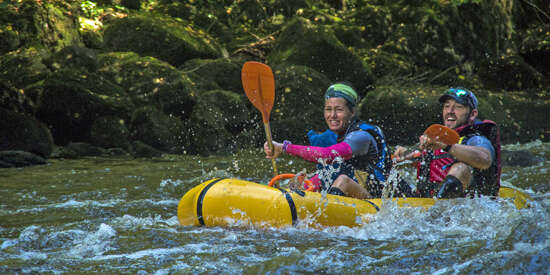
(463, 95)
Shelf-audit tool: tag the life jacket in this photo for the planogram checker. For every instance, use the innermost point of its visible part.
(486, 182)
(381, 166)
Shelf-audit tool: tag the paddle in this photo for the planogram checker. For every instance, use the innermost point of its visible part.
(440, 133)
(259, 86)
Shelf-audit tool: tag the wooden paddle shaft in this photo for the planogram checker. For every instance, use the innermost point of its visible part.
(270, 144)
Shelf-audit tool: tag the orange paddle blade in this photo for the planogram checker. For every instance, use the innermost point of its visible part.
(259, 86)
(442, 133)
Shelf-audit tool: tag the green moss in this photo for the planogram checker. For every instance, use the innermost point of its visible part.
(168, 39)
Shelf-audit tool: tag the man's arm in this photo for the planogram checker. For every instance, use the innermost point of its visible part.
(475, 156)
(478, 152)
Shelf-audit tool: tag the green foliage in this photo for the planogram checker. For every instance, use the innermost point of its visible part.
(460, 2)
(90, 9)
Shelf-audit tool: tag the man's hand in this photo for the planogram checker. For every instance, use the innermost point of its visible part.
(402, 154)
(426, 143)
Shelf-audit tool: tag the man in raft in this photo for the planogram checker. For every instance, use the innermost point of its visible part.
(352, 156)
(470, 167)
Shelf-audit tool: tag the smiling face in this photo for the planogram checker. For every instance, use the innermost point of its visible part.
(337, 114)
(456, 114)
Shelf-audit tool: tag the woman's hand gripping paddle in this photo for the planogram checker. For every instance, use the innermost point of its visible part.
(259, 86)
(436, 132)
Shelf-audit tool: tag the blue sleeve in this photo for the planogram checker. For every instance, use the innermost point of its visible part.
(325, 139)
(360, 143)
(484, 142)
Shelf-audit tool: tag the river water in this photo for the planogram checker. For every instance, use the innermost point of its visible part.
(118, 215)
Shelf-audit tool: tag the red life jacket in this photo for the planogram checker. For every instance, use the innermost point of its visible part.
(486, 182)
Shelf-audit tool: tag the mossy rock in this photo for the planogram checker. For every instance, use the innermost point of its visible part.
(211, 74)
(218, 116)
(47, 25)
(110, 132)
(15, 100)
(163, 132)
(15, 158)
(535, 48)
(9, 40)
(447, 34)
(402, 112)
(22, 68)
(520, 117)
(389, 65)
(74, 57)
(299, 102)
(510, 73)
(24, 133)
(375, 22)
(350, 35)
(165, 38)
(222, 109)
(304, 43)
(69, 107)
(149, 81)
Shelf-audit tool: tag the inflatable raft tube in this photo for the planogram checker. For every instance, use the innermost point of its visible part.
(224, 202)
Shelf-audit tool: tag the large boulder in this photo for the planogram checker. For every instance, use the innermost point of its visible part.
(521, 118)
(298, 104)
(9, 159)
(154, 128)
(24, 133)
(149, 81)
(15, 100)
(218, 116)
(444, 35)
(165, 38)
(110, 131)
(510, 73)
(403, 113)
(535, 49)
(70, 102)
(22, 68)
(51, 26)
(212, 74)
(304, 43)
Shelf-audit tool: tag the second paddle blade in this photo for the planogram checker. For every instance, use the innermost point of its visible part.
(442, 133)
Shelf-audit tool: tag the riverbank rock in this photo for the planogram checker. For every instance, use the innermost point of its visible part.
(154, 128)
(9, 159)
(217, 118)
(165, 38)
(142, 150)
(69, 106)
(522, 158)
(34, 24)
(212, 74)
(303, 43)
(298, 104)
(110, 132)
(20, 132)
(148, 81)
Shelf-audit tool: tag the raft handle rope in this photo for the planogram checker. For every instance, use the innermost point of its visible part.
(301, 179)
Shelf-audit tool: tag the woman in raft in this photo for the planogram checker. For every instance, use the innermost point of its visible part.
(352, 156)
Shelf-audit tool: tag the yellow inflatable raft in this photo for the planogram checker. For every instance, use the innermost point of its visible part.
(222, 202)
